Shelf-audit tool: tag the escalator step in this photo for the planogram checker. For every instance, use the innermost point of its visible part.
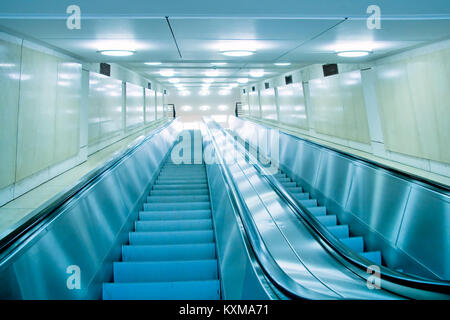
(309, 203)
(295, 189)
(354, 243)
(179, 180)
(328, 220)
(284, 180)
(289, 184)
(178, 198)
(340, 231)
(178, 290)
(180, 186)
(174, 225)
(175, 215)
(179, 192)
(162, 271)
(171, 252)
(171, 237)
(177, 206)
(301, 196)
(318, 211)
(374, 256)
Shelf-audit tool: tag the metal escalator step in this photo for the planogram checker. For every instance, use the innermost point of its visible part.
(283, 180)
(301, 195)
(171, 237)
(178, 290)
(171, 252)
(309, 203)
(181, 181)
(289, 184)
(374, 256)
(354, 243)
(340, 231)
(179, 192)
(318, 211)
(174, 225)
(174, 215)
(180, 186)
(178, 198)
(205, 205)
(162, 271)
(295, 189)
(328, 220)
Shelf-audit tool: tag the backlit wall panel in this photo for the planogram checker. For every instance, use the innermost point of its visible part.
(134, 106)
(413, 96)
(268, 104)
(291, 102)
(338, 107)
(150, 105)
(253, 101)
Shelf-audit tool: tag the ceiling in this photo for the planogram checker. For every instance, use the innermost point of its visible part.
(190, 38)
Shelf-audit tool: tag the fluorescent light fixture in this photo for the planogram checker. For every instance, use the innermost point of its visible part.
(223, 107)
(179, 85)
(166, 73)
(208, 80)
(233, 85)
(174, 80)
(153, 63)
(212, 73)
(204, 92)
(186, 108)
(282, 64)
(353, 53)
(219, 63)
(237, 53)
(204, 108)
(242, 80)
(256, 73)
(117, 53)
(184, 93)
(224, 92)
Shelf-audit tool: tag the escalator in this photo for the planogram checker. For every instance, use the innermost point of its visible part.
(160, 223)
(171, 252)
(330, 221)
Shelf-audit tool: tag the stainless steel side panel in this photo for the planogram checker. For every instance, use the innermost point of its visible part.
(407, 220)
(87, 232)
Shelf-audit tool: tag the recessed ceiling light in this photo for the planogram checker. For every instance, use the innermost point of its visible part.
(242, 80)
(153, 63)
(257, 73)
(237, 53)
(117, 53)
(166, 73)
(219, 63)
(174, 80)
(212, 73)
(224, 92)
(204, 92)
(282, 64)
(208, 80)
(184, 93)
(233, 85)
(353, 53)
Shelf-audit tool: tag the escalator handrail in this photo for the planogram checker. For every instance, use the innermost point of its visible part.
(411, 177)
(270, 267)
(18, 233)
(398, 278)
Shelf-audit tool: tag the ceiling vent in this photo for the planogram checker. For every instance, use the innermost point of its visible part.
(288, 79)
(105, 69)
(330, 69)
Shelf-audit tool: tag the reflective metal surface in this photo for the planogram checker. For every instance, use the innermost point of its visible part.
(304, 260)
(407, 219)
(86, 230)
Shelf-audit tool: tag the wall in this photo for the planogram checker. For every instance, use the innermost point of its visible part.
(394, 109)
(193, 107)
(55, 110)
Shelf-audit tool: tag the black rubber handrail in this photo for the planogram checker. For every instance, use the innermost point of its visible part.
(23, 229)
